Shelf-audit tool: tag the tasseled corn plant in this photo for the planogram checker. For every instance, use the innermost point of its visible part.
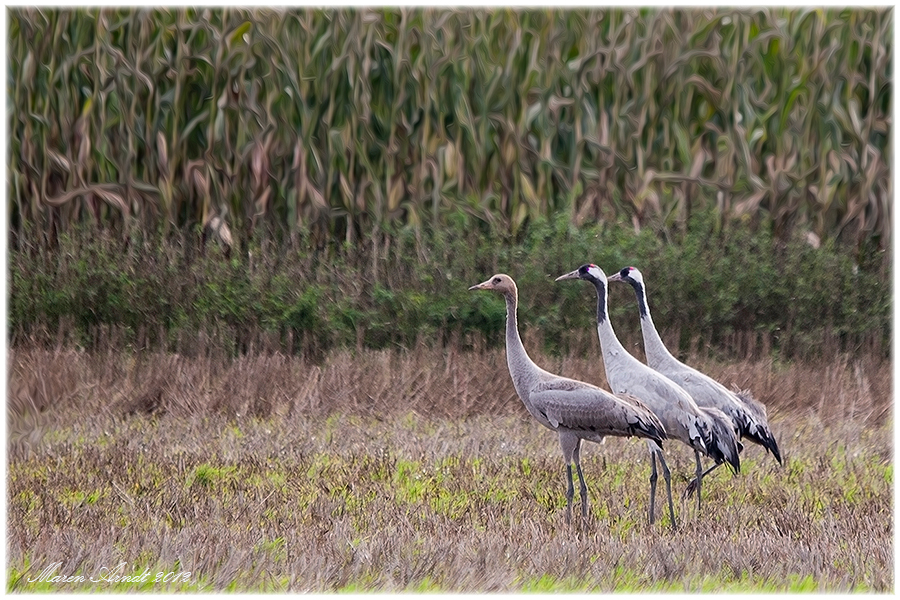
(344, 122)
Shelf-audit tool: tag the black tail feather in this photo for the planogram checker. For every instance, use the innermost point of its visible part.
(722, 444)
(764, 438)
(758, 432)
(653, 429)
(648, 425)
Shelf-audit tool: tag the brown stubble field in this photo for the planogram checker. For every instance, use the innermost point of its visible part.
(420, 470)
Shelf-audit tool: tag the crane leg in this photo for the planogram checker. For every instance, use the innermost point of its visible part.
(570, 493)
(653, 478)
(699, 477)
(692, 485)
(668, 477)
(581, 483)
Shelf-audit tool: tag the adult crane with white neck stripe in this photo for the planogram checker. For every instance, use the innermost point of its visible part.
(705, 430)
(746, 413)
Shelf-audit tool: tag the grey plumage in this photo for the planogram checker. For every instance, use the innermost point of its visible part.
(706, 431)
(747, 415)
(574, 409)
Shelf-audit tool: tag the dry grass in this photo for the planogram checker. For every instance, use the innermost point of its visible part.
(421, 471)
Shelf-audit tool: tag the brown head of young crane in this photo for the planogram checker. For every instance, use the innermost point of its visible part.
(574, 409)
(705, 430)
(746, 413)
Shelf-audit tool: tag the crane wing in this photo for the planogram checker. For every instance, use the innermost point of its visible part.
(657, 391)
(674, 407)
(576, 405)
(705, 390)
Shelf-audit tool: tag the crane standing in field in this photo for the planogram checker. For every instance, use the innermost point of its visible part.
(706, 430)
(575, 410)
(747, 414)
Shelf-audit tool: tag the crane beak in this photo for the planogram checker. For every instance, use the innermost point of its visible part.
(573, 275)
(481, 286)
(614, 277)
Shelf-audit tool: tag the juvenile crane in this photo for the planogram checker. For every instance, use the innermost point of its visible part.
(746, 413)
(706, 430)
(575, 410)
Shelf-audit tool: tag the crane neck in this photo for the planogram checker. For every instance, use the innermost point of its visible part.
(656, 352)
(520, 364)
(610, 347)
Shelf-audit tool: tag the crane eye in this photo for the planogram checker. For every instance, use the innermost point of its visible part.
(496, 280)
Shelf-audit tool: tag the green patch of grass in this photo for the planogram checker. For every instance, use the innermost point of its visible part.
(549, 583)
(411, 482)
(525, 466)
(801, 583)
(274, 548)
(425, 585)
(236, 432)
(77, 498)
(319, 466)
(365, 583)
(451, 505)
(209, 476)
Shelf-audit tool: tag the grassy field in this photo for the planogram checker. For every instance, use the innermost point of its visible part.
(421, 471)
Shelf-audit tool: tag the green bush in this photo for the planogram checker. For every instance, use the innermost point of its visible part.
(713, 284)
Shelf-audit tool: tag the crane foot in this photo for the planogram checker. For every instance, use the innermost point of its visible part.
(690, 489)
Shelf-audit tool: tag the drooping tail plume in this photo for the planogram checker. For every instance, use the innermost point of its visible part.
(758, 430)
(722, 441)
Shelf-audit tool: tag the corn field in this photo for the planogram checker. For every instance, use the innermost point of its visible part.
(340, 123)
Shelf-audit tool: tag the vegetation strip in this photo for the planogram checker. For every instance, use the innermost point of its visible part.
(271, 474)
(344, 122)
(734, 293)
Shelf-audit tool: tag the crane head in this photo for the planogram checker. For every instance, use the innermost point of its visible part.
(498, 283)
(589, 272)
(629, 275)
